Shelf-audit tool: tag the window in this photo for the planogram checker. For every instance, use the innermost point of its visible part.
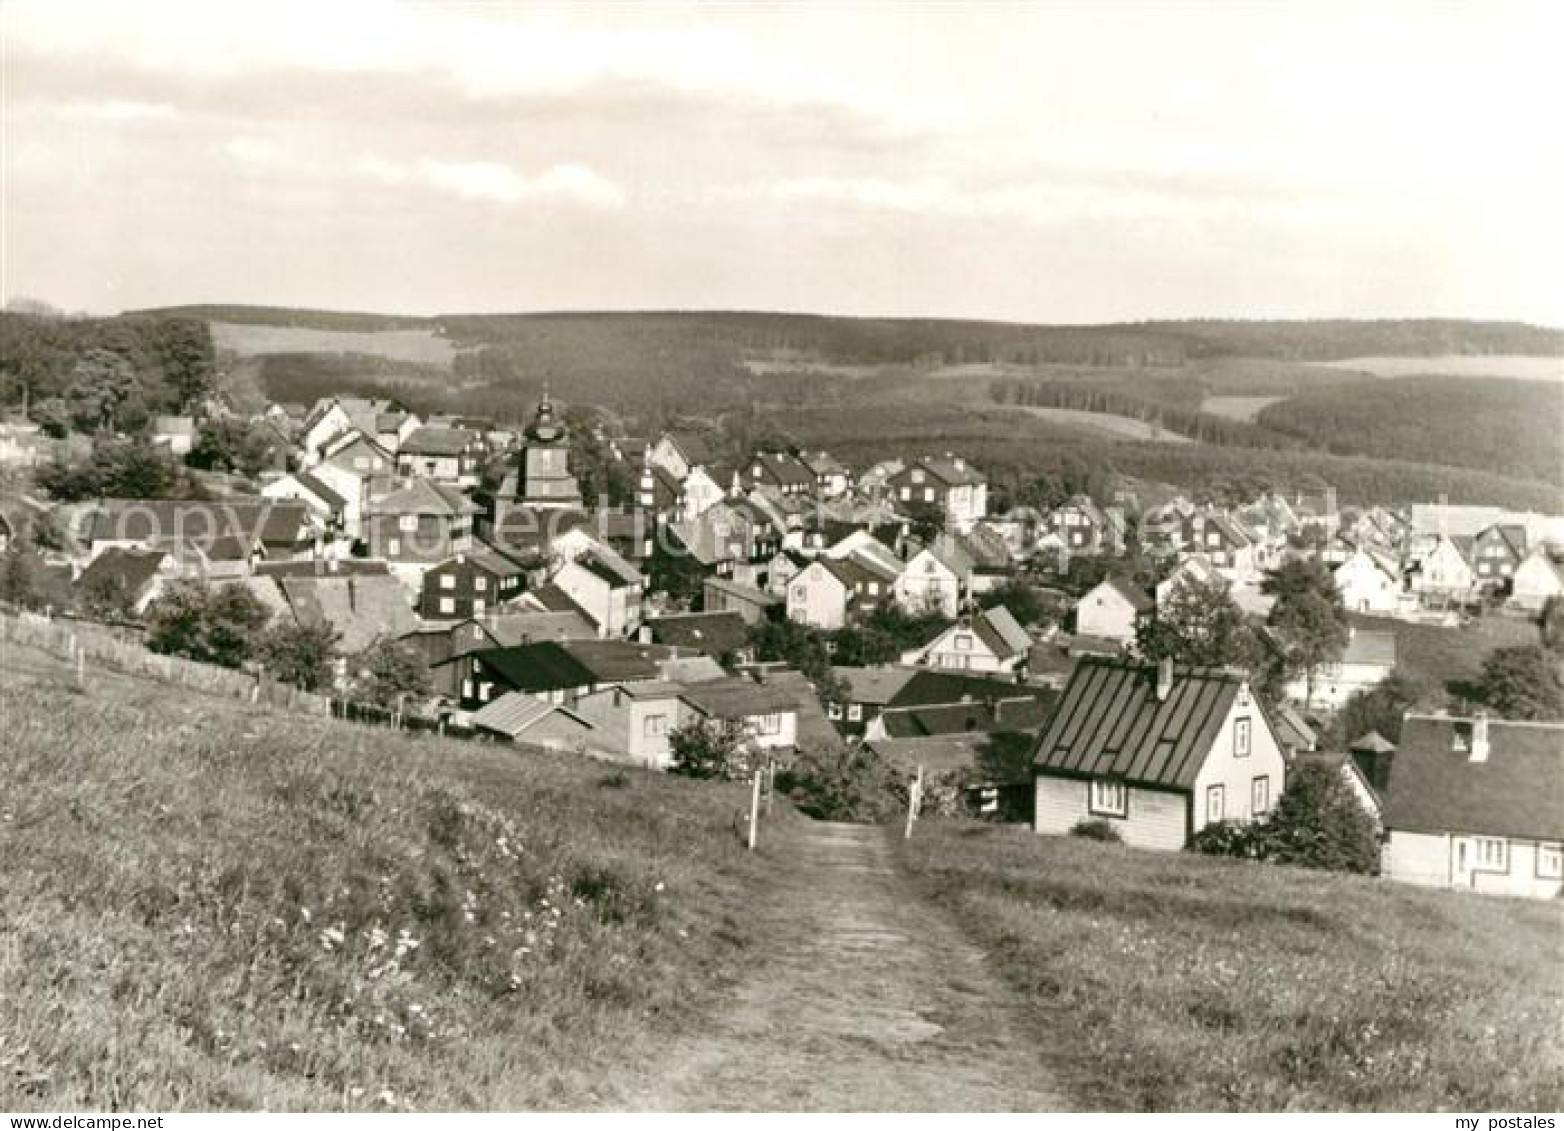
(1109, 798)
(447, 581)
(1493, 855)
(1550, 861)
(928, 494)
(768, 724)
(361, 461)
(800, 592)
(855, 712)
(654, 726)
(480, 584)
(485, 689)
(1259, 796)
(833, 711)
(394, 547)
(407, 523)
(1243, 695)
(1216, 802)
(1241, 738)
(477, 606)
(447, 605)
(906, 494)
(963, 642)
(917, 475)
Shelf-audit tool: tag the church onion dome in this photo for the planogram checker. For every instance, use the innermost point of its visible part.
(545, 427)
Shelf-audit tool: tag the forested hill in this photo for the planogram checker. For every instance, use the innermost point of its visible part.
(729, 335)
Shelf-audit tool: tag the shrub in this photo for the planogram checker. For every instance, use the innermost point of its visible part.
(703, 751)
(853, 784)
(1317, 823)
(1097, 829)
(1225, 838)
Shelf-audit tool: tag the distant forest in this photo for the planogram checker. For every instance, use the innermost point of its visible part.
(1491, 423)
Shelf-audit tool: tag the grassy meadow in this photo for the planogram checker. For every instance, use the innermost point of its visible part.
(206, 906)
(1184, 983)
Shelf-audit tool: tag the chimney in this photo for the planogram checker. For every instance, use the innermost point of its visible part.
(1479, 739)
(1164, 678)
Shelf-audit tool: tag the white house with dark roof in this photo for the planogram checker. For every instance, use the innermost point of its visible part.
(991, 641)
(608, 588)
(1158, 752)
(1112, 610)
(1536, 579)
(1368, 660)
(933, 582)
(948, 482)
(1369, 582)
(1477, 804)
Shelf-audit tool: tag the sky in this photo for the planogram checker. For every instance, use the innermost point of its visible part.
(1053, 162)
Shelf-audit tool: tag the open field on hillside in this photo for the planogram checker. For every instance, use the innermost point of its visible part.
(1237, 408)
(1458, 365)
(424, 347)
(1438, 656)
(1106, 424)
(206, 906)
(1186, 983)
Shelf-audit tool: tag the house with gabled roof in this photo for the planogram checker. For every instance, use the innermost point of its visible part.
(910, 702)
(718, 634)
(1497, 552)
(783, 472)
(314, 492)
(832, 479)
(420, 524)
(934, 581)
(280, 529)
(470, 584)
(633, 718)
(1477, 804)
(764, 714)
(1157, 751)
(523, 719)
(1081, 527)
(446, 455)
(1369, 582)
(991, 641)
(559, 671)
(1192, 569)
(948, 482)
(1443, 571)
(607, 587)
(356, 467)
(681, 452)
(1537, 579)
(752, 604)
(703, 488)
(1112, 610)
(125, 579)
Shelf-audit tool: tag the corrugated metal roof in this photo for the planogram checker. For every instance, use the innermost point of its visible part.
(1109, 722)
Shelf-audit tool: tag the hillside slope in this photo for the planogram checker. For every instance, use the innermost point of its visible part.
(207, 906)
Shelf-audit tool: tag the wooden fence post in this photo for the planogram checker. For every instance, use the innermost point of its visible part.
(754, 809)
(914, 799)
(771, 783)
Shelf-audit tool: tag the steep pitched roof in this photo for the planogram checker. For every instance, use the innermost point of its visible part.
(361, 607)
(1518, 791)
(320, 489)
(1109, 722)
(1001, 632)
(126, 570)
(1131, 594)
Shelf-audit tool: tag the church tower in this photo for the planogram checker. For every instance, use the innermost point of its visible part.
(545, 481)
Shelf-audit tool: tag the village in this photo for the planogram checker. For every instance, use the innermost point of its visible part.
(1148, 665)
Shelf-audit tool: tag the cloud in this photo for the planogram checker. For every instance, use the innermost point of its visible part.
(492, 181)
(118, 110)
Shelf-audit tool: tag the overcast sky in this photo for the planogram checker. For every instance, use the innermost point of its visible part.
(1054, 163)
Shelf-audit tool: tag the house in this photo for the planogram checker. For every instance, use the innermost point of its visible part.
(1537, 579)
(469, 584)
(1443, 571)
(521, 718)
(680, 453)
(327, 504)
(384, 421)
(932, 582)
(125, 579)
(608, 588)
(1476, 804)
(1112, 610)
(720, 635)
(420, 524)
(1167, 527)
(765, 715)
(446, 455)
(280, 530)
(829, 591)
(1157, 752)
(1497, 552)
(632, 720)
(866, 693)
(782, 472)
(992, 641)
(993, 565)
(704, 487)
(560, 671)
(176, 433)
(949, 483)
(937, 702)
(1082, 527)
(356, 468)
(1369, 583)
(832, 479)
(658, 492)
(1293, 730)
(1192, 569)
(751, 604)
(364, 608)
(1367, 661)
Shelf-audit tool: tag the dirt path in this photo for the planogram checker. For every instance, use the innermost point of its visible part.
(863, 998)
